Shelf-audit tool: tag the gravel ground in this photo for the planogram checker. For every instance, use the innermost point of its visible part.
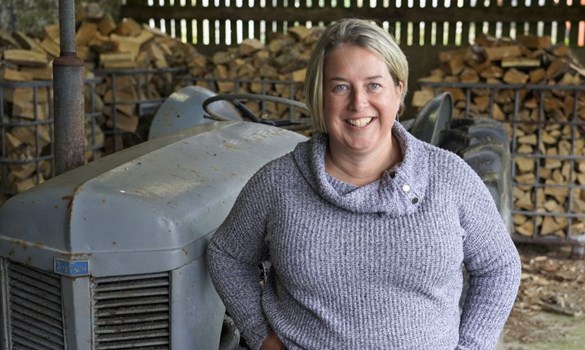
(549, 312)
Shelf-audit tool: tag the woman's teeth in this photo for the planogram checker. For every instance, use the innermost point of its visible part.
(361, 122)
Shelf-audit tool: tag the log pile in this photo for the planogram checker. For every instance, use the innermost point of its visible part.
(126, 47)
(547, 125)
(26, 74)
(283, 59)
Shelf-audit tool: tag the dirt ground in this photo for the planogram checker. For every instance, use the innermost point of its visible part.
(549, 312)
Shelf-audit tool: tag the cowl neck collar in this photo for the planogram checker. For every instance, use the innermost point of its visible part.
(399, 192)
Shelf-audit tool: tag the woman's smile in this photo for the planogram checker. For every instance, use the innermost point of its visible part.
(359, 122)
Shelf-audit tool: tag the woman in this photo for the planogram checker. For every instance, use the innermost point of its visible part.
(366, 227)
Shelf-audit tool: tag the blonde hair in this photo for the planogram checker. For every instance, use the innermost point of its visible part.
(358, 32)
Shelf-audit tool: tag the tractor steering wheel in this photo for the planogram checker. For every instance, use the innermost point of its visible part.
(235, 99)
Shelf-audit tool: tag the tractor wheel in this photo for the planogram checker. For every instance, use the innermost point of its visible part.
(230, 336)
(484, 145)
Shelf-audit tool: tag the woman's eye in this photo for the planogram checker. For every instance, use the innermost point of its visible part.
(340, 88)
(374, 86)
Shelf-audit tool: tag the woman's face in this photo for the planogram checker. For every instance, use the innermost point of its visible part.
(360, 100)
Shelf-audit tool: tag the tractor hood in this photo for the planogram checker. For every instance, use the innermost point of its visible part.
(148, 208)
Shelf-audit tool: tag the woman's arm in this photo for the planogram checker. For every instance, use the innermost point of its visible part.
(493, 264)
(234, 253)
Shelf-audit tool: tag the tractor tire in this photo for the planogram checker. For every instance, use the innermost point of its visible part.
(484, 144)
(230, 335)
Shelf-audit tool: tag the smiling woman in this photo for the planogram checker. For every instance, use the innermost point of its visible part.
(366, 227)
(360, 102)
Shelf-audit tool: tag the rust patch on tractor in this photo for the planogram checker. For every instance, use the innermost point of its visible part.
(69, 200)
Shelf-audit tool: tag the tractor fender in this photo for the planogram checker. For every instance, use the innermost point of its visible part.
(184, 109)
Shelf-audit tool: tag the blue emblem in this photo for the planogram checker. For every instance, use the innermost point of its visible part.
(71, 267)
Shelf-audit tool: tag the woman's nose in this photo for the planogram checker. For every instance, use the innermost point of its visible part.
(359, 100)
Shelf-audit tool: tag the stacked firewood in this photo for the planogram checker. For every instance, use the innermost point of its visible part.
(546, 125)
(26, 108)
(26, 92)
(283, 59)
(112, 53)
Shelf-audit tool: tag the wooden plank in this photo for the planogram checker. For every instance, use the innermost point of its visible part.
(189, 31)
(532, 14)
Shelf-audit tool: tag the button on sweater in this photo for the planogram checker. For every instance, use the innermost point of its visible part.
(371, 267)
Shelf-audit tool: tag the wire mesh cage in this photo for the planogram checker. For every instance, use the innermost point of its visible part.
(26, 133)
(116, 101)
(129, 99)
(546, 125)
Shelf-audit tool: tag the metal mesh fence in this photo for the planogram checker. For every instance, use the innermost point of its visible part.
(116, 104)
(546, 125)
(26, 133)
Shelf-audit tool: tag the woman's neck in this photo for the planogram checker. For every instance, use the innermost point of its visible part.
(360, 169)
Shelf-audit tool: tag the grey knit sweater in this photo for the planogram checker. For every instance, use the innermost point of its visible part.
(371, 267)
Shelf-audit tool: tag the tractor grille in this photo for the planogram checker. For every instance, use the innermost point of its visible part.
(132, 312)
(34, 303)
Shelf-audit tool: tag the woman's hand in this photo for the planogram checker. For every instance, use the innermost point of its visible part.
(272, 342)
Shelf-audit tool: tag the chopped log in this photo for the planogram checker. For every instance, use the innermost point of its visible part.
(125, 98)
(524, 201)
(535, 41)
(106, 25)
(468, 75)
(560, 50)
(8, 41)
(300, 32)
(117, 60)
(51, 47)
(514, 76)
(520, 62)
(299, 75)
(421, 97)
(26, 94)
(26, 42)
(43, 73)
(131, 44)
(128, 27)
(525, 164)
(556, 68)
(30, 110)
(446, 56)
(250, 46)
(27, 58)
(549, 226)
(456, 65)
(537, 75)
(526, 228)
(498, 53)
(127, 123)
(27, 135)
(52, 32)
(85, 33)
(14, 75)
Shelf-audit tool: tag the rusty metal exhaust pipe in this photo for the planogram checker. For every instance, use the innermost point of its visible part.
(69, 142)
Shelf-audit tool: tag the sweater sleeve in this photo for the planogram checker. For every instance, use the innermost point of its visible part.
(492, 262)
(234, 253)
